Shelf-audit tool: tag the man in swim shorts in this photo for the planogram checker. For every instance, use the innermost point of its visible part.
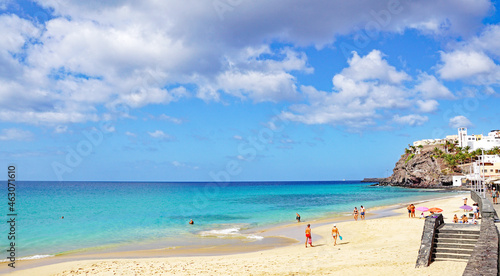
(362, 209)
(335, 234)
(297, 217)
(308, 236)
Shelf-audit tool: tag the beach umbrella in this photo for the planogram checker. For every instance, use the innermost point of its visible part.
(466, 207)
(422, 209)
(435, 210)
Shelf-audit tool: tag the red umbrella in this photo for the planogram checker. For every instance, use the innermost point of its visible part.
(435, 210)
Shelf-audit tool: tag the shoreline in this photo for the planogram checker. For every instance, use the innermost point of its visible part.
(275, 237)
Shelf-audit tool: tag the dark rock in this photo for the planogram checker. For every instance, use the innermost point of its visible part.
(420, 170)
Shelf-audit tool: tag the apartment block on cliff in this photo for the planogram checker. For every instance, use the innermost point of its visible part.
(485, 142)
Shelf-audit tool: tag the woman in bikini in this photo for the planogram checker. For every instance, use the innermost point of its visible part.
(335, 234)
(355, 213)
(308, 236)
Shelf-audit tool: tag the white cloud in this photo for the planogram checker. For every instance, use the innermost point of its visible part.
(158, 134)
(431, 88)
(357, 95)
(474, 60)
(131, 134)
(372, 67)
(96, 54)
(412, 119)
(427, 106)
(15, 134)
(463, 64)
(460, 121)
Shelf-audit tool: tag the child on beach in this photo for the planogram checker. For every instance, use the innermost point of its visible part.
(455, 219)
(335, 234)
(422, 216)
(308, 236)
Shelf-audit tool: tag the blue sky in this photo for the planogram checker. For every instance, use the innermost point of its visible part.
(239, 90)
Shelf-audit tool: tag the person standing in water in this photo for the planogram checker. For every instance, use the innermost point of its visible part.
(297, 217)
(308, 236)
(335, 234)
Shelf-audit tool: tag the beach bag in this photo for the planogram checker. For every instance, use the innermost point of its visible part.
(309, 241)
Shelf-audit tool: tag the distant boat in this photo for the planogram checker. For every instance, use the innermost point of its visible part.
(343, 179)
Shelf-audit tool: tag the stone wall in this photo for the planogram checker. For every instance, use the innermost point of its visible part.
(484, 259)
(425, 251)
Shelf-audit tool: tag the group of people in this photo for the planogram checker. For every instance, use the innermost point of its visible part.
(464, 219)
(335, 235)
(411, 210)
(360, 212)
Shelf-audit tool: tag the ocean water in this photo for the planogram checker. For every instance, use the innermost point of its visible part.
(100, 214)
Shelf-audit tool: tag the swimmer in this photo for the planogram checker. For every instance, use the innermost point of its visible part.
(191, 222)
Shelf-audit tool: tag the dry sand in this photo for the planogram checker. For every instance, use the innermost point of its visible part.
(383, 246)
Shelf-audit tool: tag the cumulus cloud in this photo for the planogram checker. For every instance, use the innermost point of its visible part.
(431, 88)
(460, 121)
(474, 60)
(427, 106)
(92, 55)
(357, 94)
(412, 119)
(463, 64)
(15, 134)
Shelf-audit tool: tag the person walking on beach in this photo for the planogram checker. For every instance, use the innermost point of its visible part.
(362, 210)
(297, 217)
(355, 213)
(409, 210)
(335, 234)
(308, 236)
(412, 210)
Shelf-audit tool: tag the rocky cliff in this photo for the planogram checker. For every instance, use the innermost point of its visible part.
(420, 169)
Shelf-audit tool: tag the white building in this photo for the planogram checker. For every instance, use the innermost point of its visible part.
(478, 141)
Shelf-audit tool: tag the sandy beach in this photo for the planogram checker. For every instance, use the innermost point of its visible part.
(375, 246)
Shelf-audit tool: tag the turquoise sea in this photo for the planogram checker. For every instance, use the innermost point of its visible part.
(100, 214)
